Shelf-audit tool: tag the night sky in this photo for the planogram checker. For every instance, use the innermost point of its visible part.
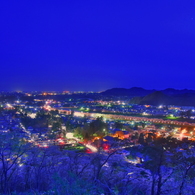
(96, 45)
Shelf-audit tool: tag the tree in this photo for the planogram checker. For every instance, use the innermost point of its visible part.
(187, 167)
(141, 139)
(161, 160)
(78, 132)
(97, 127)
(149, 138)
(143, 125)
(54, 112)
(12, 151)
(56, 126)
(118, 125)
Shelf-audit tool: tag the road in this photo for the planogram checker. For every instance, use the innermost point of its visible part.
(133, 118)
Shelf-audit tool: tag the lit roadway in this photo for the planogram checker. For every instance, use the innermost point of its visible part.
(133, 118)
(123, 117)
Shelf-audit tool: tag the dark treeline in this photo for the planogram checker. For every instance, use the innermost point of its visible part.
(163, 166)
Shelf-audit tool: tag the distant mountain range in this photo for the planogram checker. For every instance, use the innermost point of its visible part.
(167, 96)
(134, 91)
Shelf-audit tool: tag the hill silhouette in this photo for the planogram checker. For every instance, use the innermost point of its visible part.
(167, 96)
(158, 98)
(134, 91)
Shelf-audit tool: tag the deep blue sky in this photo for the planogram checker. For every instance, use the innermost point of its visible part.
(95, 45)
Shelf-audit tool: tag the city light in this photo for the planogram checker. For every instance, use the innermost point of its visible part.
(69, 135)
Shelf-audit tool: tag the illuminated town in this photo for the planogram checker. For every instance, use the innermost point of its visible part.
(84, 127)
